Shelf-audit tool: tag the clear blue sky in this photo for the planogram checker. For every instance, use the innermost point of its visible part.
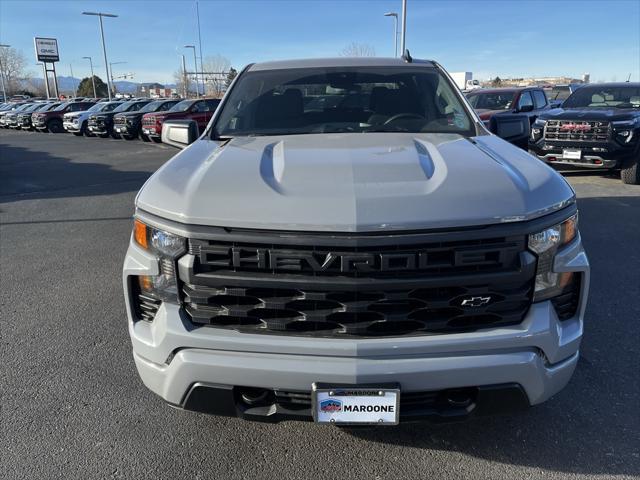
(489, 38)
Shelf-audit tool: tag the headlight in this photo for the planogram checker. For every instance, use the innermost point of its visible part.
(167, 247)
(537, 129)
(545, 244)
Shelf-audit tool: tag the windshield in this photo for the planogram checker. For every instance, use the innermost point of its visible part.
(182, 106)
(345, 99)
(96, 108)
(604, 97)
(123, 107)
(34, 107)
(152, 107)
(43, 107)
(559, 93)
(492, 100)
(24, 107)
(61, 107)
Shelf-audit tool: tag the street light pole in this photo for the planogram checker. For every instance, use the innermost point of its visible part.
(195, 62)
(395, 31)
(4, 92)
(93, 80)
(104, 48)
(404, 28)
(111, 64)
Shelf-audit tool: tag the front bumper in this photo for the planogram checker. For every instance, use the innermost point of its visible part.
(600, 155)
(125, 129)
(98, 129)
(537, 356)
(151, 132)
(71, 127)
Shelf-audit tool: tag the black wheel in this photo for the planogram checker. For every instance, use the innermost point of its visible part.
(77, 134)
(55, 126)
(144, 137)
(631, 174)
(103, 135)
(156, 139)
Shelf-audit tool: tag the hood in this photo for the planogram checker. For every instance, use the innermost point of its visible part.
(485, 113)
(129, 114)
(353, 183)
(74, 114)
(591, 113)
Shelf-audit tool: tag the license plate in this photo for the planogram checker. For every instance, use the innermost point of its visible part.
(356, 405)
(571, 154)
(148, 131)
(119, 129)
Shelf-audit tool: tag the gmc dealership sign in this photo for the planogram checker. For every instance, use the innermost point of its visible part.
(46, 49)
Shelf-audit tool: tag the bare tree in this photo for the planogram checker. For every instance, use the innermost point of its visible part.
(358, 50)
(180, 79)
(14, 68)
(215, 81)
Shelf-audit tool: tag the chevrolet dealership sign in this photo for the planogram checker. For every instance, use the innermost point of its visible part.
(46, 49)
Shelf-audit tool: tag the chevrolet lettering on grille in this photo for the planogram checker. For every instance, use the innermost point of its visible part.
(349, 262)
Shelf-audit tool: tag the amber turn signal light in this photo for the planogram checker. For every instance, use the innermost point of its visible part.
(140, 234)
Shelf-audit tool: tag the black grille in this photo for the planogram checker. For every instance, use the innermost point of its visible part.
(566, 304)
(576, 130)
(397, 288)
(409, 401)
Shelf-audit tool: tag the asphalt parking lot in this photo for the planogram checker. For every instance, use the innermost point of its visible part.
(72, 405)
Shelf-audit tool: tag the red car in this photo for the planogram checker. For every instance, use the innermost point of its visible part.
(199, 110)
(51, 121)
(489, 101)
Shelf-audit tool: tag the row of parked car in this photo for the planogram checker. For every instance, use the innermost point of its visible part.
(130, 119)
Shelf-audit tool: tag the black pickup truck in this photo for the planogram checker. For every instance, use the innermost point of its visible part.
(101, 123)
(129, 124)
(598, 126)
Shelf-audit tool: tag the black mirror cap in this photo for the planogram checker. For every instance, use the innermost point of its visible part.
(513, 128)
(525, 108)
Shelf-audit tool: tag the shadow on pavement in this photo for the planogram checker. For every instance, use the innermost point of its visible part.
(593, 426)
(27, 174)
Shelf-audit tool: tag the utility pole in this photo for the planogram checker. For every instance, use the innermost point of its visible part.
(185, 79)
(404, 28)
(111, 70)
(75, 90)
(4, 92)
(104, 48)
(93, 79)
(195, 64)
(200, 48)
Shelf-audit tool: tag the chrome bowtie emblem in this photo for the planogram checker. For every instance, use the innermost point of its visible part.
(475, 301)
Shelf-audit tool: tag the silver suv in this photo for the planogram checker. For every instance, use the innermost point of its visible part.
(346, 242)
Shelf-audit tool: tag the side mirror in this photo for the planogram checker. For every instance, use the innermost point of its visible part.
(525, 108)
(179, 133)
(513, 128)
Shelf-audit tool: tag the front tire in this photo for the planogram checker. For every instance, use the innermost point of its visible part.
(55, 126)
(144, 137)
(631, 175)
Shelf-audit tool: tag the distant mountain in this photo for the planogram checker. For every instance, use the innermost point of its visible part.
(66, 84)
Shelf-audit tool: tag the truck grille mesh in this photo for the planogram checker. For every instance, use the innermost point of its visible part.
(428, 288)
(577, 130)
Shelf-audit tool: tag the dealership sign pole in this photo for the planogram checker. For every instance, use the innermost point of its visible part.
(47, 53)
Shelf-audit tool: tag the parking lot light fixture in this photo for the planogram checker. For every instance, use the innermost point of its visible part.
(395, 31)
(93, 80)
(104, 48)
